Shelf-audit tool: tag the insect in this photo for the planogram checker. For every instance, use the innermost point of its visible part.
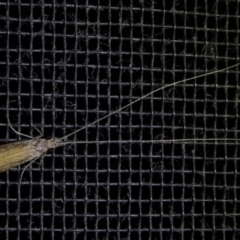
(16, 153)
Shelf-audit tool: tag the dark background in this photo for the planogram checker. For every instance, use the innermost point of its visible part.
(64, 64)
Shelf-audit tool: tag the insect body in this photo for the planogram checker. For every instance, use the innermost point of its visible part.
(14, 154)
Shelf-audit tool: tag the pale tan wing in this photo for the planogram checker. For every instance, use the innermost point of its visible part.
(14, 154)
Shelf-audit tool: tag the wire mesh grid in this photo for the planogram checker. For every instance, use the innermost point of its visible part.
(64, 64)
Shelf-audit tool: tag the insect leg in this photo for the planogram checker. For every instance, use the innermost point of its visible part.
(10, 125)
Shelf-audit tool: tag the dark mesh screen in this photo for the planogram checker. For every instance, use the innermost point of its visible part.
(65, 64)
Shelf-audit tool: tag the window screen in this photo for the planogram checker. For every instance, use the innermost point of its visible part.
(65, 64)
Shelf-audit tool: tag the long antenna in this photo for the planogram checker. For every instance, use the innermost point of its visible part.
(188, 140)
(152, 92)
